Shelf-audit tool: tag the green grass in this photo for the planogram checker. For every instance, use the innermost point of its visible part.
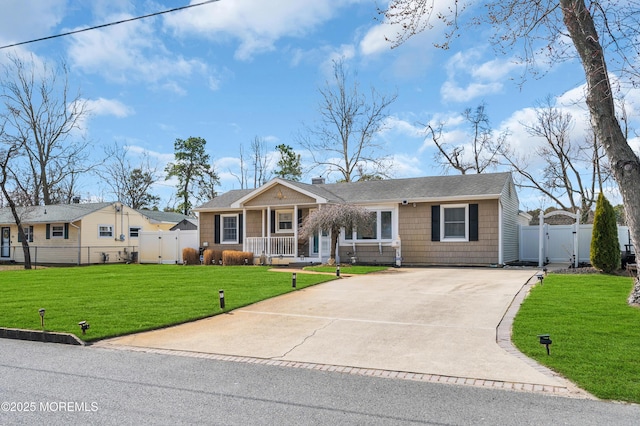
(347, 269)
(122, 299)
(595, 334)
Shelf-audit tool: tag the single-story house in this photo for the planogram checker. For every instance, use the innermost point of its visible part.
(78, 233)
(441, 220)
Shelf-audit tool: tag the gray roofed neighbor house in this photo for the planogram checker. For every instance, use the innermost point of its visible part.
(160, 216)
(57, 213)
(486, 185)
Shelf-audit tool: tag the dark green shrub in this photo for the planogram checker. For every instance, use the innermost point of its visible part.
(605, 248)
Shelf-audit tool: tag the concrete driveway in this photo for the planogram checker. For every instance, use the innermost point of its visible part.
(437, 321)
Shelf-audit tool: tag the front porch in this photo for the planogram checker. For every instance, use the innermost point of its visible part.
(284, 250)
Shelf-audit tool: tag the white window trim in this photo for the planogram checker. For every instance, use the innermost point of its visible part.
(293, 221)
(105, 236)
(443, 207)
(53, 225)
(139, 228)
(379, 239)
(222, 240)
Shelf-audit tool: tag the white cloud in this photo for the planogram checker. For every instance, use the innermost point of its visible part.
(132, 53)
(102, 106)
(257, 25)
(25, 20)
(470, 77)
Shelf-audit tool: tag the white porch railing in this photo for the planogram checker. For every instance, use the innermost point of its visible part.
(271, 246)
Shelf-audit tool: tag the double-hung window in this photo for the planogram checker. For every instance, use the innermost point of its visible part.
(229, 229)
(284, 220)
(104, 231)
(455, 222)
(57, 231)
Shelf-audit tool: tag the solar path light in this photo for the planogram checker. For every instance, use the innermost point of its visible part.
(545, 339)
(41, 312)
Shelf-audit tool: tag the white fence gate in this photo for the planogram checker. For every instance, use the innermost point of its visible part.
(165, 247)
(561, 243)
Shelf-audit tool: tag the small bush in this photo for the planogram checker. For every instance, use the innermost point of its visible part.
(190, 256)
(234, 257)
(605, 249)
(212, 257)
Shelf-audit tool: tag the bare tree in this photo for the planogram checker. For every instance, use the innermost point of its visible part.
(344, 138)
(603, 36)
(128, 183)
(573, 173)
(43, 120)
(6, 155)
(333, 218)
(260, 160)
(242, 177)
(483, 145)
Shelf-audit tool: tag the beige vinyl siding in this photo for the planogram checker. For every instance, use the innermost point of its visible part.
(279, 195)
(418, 249)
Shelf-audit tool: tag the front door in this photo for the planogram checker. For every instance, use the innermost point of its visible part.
(321, 244)
(5, 243)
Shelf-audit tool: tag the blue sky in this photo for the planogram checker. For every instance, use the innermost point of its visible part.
(236, 69)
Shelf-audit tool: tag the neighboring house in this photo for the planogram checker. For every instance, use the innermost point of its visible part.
(188, 224)
(443, 220)
(163, 220)
(77, 233)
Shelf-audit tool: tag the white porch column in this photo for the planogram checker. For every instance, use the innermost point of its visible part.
(244, 229)
(268, 231)
(294, 223)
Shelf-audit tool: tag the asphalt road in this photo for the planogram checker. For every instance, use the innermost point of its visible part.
(64, 385)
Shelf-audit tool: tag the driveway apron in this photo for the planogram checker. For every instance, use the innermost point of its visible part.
(439, 321)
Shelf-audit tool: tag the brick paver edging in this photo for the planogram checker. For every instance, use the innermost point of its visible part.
(404, 375)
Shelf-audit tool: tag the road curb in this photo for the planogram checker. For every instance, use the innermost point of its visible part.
(40, 336)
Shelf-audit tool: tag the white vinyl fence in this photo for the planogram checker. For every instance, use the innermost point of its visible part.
(561, 243)
(165, 247)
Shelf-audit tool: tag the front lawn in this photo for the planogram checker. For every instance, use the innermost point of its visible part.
(595, 334)
(122, 299)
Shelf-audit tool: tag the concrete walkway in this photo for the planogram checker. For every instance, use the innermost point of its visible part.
(438, 324)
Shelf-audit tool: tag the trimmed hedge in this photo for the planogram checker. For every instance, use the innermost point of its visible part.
(212, 257)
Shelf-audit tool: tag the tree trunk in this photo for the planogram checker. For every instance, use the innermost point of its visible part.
(624, 162)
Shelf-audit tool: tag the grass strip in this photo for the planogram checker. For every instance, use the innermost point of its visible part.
(122, 299)
(595, 334)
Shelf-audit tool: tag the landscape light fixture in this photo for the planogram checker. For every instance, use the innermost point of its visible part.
(540, 278)
(545, 339)
(293, 280)
(221, 297)
(84, 326)
(338, 271)
(41, 312)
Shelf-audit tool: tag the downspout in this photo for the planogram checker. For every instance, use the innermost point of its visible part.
(79, 243)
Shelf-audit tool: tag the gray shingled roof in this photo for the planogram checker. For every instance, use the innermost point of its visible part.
(160, 216)
(410, 189)
(58, 213)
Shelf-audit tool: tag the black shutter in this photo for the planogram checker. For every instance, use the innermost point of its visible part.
(273, 221)
(473, 222)
(19, 235)
(66, 231)
(216, 229)
(435, 223)
(48, 233)
(240, 228)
